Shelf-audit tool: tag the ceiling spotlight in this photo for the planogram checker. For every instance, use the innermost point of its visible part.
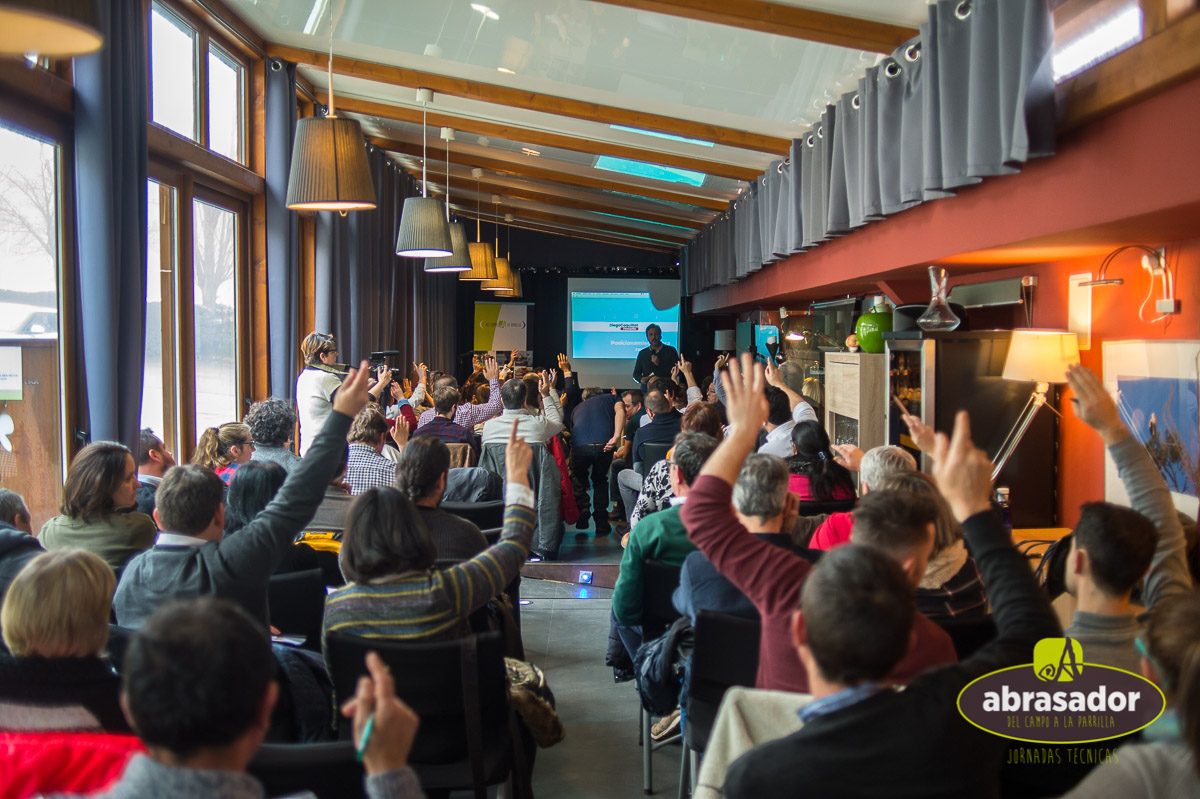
(505, 70)
(483, 141)
(487, 12)
(528, 151)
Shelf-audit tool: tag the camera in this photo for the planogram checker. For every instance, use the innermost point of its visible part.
(378, 359)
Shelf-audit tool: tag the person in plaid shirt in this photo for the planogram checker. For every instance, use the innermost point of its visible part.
(468, 416)
(445, 405)
(366, 467)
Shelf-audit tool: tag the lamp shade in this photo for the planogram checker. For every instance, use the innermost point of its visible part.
(424, 231)
(55, 28)
(460, 258)
(504, 277)
(329, 167)
(723, 340)
(483, 262)
(1040, 356)
(515, 291)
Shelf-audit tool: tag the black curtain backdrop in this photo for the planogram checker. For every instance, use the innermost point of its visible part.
(283, 231)
(111, 109)
(971, 97)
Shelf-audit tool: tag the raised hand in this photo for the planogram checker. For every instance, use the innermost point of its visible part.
(848, 455)
(773, 375)
(722, 359)
(564, 365)
(1094, 405)
(406, 388)
(745, 402)
(517, 457)
(400, 432)
(963, 471)
(491, 370)
(352, 396)
(922, 434)
(394, 725)
(685, 366)
(675, 373)
(422, 371)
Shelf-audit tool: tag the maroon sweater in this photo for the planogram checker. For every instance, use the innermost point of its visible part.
(772, 578)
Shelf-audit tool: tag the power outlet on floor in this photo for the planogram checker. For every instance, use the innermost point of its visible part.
(585, 578)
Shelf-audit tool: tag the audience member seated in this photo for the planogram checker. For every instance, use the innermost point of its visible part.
(421, 476)
(17, 544)
(951, 587)
(331, 513)
(366, 466)
(250, 491)
(773, 578)
(272, 423)
(199, 689)
(153, 461)
(660, 537)
(852, 629)
(393, 589)
(682, 375)
(634, 413)
(766, 508)
(467, 416)
(597, 423)
(872, 467)
(55, 622)
(191, 558)
(1113, 548)
(1164, 764)
(656, 493)
(443, 426)
(664, 425)
(223, 449)
(473, 484)
(398, 407)
(816, 476)
(531, 427)
(101, 482)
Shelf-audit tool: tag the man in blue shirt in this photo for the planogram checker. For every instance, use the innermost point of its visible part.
(658, 359)
(597, 424)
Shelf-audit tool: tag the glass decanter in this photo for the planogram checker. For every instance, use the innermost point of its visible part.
(938, 315)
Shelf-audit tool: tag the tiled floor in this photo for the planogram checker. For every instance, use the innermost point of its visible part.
(600, 757)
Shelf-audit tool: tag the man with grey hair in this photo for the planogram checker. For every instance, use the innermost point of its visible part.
(17, 544)
(766, 509)
(872, 467)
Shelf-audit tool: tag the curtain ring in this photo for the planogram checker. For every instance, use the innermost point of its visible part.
(779, 168)
(856, 103)
(276, 65)
(912, 52)
(811, 140)
(892, 69)
(820, 131)
(764, 180)
(963, 9)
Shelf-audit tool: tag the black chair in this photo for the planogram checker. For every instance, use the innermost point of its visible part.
(652, 454)
(659, 582)
(970, 634)
(468, 738)
(485, 515)
(725, 654)
(815, 508)
(296, 602)
(328, 770)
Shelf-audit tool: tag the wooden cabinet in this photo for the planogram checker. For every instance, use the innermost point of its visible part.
(855, 398)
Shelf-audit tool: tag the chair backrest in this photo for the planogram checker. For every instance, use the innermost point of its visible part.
(725, 655)
(659, 582)
(462, 456)
(328, 770)
(458, 701)
(653, 453)
(485, 515)
(296, 602)
(815, 508)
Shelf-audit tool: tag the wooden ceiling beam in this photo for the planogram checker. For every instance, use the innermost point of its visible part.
(552, 176)
(783, 20)
(540, 138)
(533, 101)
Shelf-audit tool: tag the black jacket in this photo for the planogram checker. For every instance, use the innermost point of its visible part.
(662, 429)
(16, 549)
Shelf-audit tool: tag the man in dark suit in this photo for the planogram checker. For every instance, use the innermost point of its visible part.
(658, 359)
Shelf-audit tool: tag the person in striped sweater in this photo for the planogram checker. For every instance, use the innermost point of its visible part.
(388, 556)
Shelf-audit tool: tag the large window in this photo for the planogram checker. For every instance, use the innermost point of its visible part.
(160, 392)
(30, 399)
(214, 264)
(173, 76)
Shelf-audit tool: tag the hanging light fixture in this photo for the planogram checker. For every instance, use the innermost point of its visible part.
(503, 279)
(424, 231)
(460, 258)
(54, 28)
(514, 289)
(483, 259)
(329, 160)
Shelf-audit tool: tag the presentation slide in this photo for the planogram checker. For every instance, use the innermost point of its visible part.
(607, 325)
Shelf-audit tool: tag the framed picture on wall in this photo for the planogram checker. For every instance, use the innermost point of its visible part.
(1157, 388)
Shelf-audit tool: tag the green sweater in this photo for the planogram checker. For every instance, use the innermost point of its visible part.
(660, 536)
(115, 538)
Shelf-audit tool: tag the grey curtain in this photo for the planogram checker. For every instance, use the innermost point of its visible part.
(971, 97)
(111, 109)
(283, 231)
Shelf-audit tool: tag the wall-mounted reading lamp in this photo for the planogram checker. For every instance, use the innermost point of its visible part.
(1101, 275)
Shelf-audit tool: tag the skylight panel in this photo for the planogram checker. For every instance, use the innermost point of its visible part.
(642, 169)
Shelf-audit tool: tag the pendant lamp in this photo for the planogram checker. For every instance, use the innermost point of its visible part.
(329, 160)
(514, 289)
(460, 259)
(54, 28)
(483, 260)
(503, 279)
(424, 228)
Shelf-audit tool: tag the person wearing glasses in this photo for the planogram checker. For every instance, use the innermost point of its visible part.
(319, 380)
(223, 449)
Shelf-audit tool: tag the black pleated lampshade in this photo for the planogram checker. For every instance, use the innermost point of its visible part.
(459, 260)
(329, 167)
(55, 28)
(424, 232)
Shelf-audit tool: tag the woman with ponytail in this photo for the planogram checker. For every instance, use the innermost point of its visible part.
(421, 473)
(815, 474)
(1165, 765)
(223, 449)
